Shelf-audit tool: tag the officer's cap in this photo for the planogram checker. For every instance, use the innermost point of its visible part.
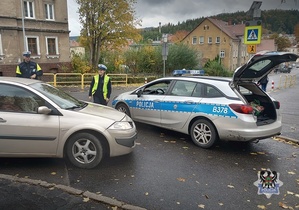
(27, 53)
(102, 67)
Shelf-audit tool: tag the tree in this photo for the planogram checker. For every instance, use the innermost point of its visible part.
(181, 56)
(213, 68)
(296, 32)
(107, 25)
(281, 42)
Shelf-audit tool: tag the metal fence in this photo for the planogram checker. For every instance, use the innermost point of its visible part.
(287, 81)
(78, 79)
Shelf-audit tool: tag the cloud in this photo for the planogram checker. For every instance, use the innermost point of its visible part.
(151, 12)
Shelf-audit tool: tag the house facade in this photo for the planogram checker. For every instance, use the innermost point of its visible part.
(41, 28)
(214, 37)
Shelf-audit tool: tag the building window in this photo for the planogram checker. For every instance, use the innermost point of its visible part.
(29, 9)
(201, 40)
(1, 49)
(52, 47)
(210, 40)
(194, 40)
(49, 11)
(243, 54)
(217, 39)
(235, 53)
(206, 27)
(222, 54)
(33, 45)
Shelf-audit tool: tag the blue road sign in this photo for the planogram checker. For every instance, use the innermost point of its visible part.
(253, 35)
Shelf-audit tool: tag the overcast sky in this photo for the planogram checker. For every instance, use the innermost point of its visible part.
(151, 12)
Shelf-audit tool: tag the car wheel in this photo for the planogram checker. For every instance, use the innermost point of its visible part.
(203, 133)
(123, 108)
(84, 150)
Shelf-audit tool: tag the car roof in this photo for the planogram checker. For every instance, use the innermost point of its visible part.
(199, 78)
(20, 80)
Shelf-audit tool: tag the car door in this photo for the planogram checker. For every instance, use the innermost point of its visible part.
(147, 107)
(260, 65)
(179, 104)
(25, 131)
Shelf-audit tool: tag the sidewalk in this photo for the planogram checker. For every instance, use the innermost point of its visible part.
(24, 193)
(289, 109)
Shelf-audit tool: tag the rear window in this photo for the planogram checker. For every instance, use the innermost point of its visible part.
(260, 65)
(244, 91)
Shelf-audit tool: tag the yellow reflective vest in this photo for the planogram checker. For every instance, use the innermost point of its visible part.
(105, 85)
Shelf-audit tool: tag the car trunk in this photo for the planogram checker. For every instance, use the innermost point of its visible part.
(261, 101)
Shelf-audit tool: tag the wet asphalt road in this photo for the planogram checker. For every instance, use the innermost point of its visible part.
(167, 171)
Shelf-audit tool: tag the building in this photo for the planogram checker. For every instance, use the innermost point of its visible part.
(214, 37)
(42, 29)
(76, 49)
(266, 44)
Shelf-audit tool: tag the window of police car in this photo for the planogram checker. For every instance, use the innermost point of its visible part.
(183, 88)
(159, 88)
(194, 89)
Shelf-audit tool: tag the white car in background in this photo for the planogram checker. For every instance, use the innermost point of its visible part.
(211, 108)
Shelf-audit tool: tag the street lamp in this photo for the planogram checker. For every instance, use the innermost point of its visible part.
(164, 51)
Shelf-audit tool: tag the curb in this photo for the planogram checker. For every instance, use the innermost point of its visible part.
(288, 139)
(86, 194)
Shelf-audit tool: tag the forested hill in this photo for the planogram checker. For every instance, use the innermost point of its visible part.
(276, 21)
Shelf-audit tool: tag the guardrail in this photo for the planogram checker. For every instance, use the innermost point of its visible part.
(80, 79)
(287, 81)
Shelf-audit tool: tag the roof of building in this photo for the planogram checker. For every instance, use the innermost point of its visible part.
(233, 31)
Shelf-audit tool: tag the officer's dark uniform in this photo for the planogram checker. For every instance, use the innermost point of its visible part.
(28, 68)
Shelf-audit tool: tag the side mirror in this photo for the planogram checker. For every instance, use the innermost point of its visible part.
(139, 93)
(43, 110)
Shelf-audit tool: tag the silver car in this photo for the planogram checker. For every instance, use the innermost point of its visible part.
(39, 120)
(211, 108)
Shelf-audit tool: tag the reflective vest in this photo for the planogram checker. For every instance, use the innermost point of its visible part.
(27, 69)
(96, 84)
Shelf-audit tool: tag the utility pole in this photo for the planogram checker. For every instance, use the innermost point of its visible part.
(253, 29)
(23, 24)
(164, 51)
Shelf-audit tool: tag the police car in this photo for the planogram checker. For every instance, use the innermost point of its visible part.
(211, 108)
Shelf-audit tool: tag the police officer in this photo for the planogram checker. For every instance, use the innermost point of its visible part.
(28, 68)
(263, 83)
(100, 87)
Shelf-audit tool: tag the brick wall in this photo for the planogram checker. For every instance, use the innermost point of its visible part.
(10, 70)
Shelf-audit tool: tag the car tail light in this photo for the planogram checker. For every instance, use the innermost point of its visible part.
(277, 104)
(242, 108)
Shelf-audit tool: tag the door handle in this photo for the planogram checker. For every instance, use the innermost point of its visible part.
(189, 102)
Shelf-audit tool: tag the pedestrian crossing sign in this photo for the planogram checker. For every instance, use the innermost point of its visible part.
(253, 34)
(251, 48)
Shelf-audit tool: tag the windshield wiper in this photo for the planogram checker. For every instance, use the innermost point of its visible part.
(74, 107)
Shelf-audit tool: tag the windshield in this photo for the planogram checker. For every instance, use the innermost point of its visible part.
(61, 98)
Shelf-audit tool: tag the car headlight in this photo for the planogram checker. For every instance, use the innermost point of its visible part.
(121, 126)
